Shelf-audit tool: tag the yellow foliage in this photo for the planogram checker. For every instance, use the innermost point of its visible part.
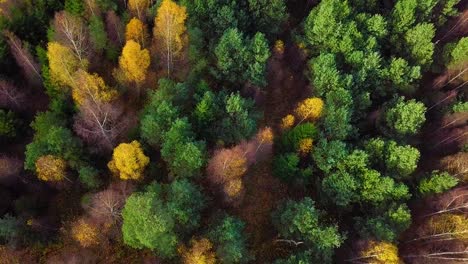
(91, 86)
(309, 109)
(200, 252)
(381, 253)
(265, 135)
(63, 64)
(134, 62)
(138, 7)
(451, 224)
(50, 168)
(305, 146)
(169, 27)
(136, 31)
(287, 122)
(233, 188)
(235, 168)
(279, 46)
(128, 161)
(85, 233)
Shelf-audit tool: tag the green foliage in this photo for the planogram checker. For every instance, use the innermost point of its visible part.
(437, 182)
(156, 121)
(289, 141)
(240, 60)
(268, 15)
(405, 117)
(301, 221)
(184, 156)
(256, 60)
(342, 187)
(401, 161)
(460, 107)
(230, 243)
(327, 154)
(286, 168)
(325, 73)
(419, 44)
(10, 228)
(97, 33)
(338, 115)
(239, 120)
(305, 257)
(402, 76)
(89, 177)
(155, 218)
(51, 137)
(455, 53)
(386, 225)
(75, 7)
(8, 124)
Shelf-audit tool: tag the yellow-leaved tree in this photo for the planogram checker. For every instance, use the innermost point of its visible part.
(138, 8)
(136, 30)
(379, 253)
(309, 109)
(305, 146)
(92, 87)
(169, 30)
(134, 62)
(287, 122)
(200, 252)
(128, 161)
(50, 168)
(85, 233)
(63, 64)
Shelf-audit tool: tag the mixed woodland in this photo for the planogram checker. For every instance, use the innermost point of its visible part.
(233, 131)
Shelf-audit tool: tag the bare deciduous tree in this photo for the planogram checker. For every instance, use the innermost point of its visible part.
(72, 32)
(11, 97)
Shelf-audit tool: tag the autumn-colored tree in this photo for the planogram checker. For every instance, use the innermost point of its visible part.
(279, 47)
(305, 146)
(105, 206)
(287, 122)
(136, 30)
(91, 87)
(101, 125)
(24, 59)
(200, 252)
(63, 64)
(309, 109)
(11, 97)
(51, 168)
(71, 31)
(134, 62)
(169, 30)
(85, 233)
(457, 165)
(138, 8)
(444, 227)
(128, 161)
(378, 253)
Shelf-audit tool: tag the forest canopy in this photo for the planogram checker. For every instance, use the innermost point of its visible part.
(233, 131)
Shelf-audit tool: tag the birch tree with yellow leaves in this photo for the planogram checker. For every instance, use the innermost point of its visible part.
(136, 30)
(134, 63)
(169, 30)
(138, 8)
(63, 64)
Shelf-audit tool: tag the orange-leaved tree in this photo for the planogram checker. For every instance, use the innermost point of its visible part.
(128, 161)
(169, 29)
(51, 168)
(85, 233)
(136, 30)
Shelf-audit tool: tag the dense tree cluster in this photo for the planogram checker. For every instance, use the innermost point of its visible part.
(233, 131)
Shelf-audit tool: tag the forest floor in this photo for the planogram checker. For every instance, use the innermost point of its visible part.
(287, 85)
